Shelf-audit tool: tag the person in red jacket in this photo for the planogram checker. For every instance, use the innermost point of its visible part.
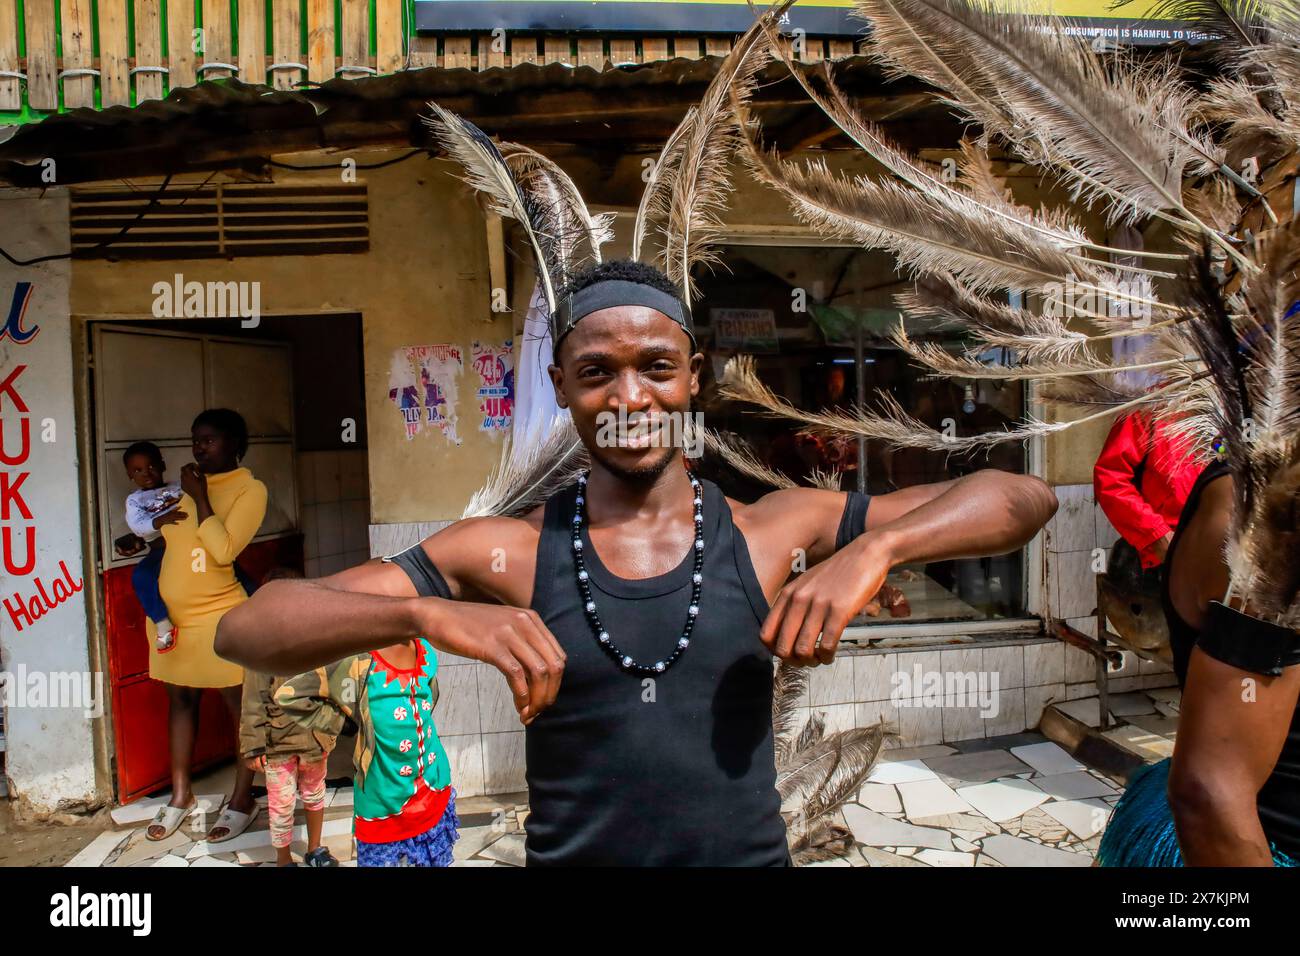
(1141, 480)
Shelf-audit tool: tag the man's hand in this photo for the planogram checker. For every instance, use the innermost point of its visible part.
(513, 640)
(129, 545)
(823, 600)
(171, 517)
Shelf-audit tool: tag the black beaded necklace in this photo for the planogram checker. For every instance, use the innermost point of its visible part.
(593, 616)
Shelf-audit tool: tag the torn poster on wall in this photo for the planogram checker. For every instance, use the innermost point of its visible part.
(495, 365)
(422, 384)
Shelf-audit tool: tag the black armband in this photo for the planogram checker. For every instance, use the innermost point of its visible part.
(1248, 643)
(854, 520)
(424, 574)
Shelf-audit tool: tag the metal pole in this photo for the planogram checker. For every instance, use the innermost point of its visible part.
(860, 378)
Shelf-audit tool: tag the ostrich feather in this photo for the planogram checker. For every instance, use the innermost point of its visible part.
(809, 764)
(1124, 126)
(995, 324)
(519, 484)
(828, 480)
(1087, 390)
(942, 362)
(739, 455)
(788, 685)
(892, 424)
(551, 188)
(824, 841)
(691, 183)
(977, 201)
(857, 750)
(923, 236)
(485, 170)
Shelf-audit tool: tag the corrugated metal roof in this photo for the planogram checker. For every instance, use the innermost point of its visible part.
(229, 106)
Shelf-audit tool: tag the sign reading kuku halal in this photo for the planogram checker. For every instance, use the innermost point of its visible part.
(1092, 18)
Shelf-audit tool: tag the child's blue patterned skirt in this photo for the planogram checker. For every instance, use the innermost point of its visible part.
(431, 848)
(1141, 830)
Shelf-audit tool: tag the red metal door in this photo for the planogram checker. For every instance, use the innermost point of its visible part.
(140, 703)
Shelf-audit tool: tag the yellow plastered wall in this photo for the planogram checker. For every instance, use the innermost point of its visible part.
(424, 281)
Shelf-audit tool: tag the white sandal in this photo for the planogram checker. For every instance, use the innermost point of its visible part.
(235, 821)
(169, 818)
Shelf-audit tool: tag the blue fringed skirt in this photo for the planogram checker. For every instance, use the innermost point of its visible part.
(1141, 830)
(431, 848)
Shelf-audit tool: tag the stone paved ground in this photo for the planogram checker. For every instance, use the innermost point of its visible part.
(1008, 801)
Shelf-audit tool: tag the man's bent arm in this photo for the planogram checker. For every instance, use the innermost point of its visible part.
(984, 513)
(290, 626)
(988, 512)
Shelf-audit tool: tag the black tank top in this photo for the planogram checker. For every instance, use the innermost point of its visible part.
(680, 772)
(675, 771)
(1278, 801)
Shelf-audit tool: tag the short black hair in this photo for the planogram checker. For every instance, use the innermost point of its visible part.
(625, 269)
(227, 421)
(143, 448)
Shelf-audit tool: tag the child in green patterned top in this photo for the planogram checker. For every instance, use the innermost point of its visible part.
(404, 804)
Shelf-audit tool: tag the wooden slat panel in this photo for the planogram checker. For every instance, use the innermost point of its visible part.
(556, 50)
(356, 36)
(491, 51)
(687, 47)
(252, 41)
(320, 40)
(654, 49)
(457, 53)
(114, 54)
(218, 37)
(813, 50)
(424, 51)
(286, 42)
(839, 48)
(180, 44)
(42, 55)
(717, 46)
(389, 57)
(622, 51)
(148, 49)
(78, 52)
(523, 49)
(11, 97)
(591, 52)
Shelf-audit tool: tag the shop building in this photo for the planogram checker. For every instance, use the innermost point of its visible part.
(296, 254)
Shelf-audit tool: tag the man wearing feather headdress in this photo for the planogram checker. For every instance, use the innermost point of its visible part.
(633, 609)
(636, 610)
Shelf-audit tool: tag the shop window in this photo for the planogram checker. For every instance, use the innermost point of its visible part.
(817, 321)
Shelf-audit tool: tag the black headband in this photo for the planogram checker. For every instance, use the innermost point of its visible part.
(611, 293)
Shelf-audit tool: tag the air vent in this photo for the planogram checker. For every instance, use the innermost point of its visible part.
(221, 221)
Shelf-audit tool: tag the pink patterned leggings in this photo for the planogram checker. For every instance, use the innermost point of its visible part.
(285, 778)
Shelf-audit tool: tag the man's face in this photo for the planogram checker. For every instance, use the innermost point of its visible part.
(638, 360)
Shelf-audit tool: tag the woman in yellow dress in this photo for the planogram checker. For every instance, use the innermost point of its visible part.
(221, 509)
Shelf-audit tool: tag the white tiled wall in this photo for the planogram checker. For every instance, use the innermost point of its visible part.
(1072, 540)
(335, 491)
